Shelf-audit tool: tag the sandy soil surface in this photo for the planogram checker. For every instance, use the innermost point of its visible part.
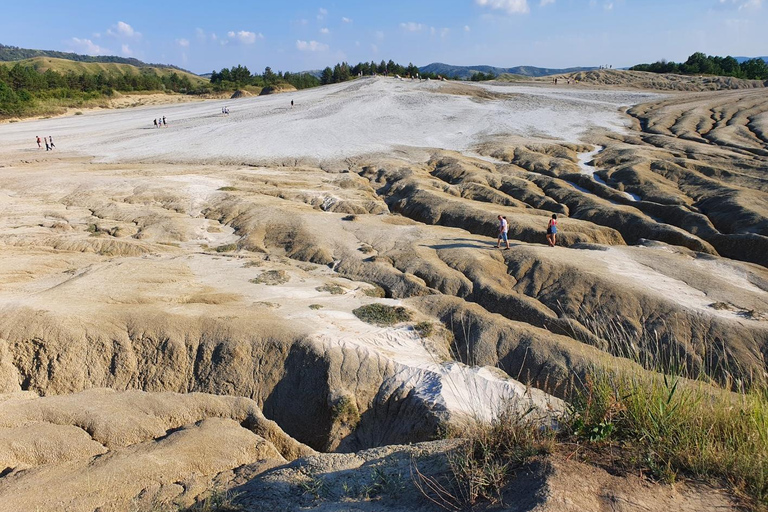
(367, 116)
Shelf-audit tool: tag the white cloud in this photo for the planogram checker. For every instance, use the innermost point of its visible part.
(244, 36)
(412, 26)
(444, 32)
(184, 43)
(126, 50)
(608, 6)
(322, 13)
(87, 46)
(325, 31)
(374, 48)
(346, 20)
(124, 31)
(311, 46)
(200, 34)
(432, 31)
(546, 2)
(379, 35)
(743, 4)
(467, 29)
(510, 6)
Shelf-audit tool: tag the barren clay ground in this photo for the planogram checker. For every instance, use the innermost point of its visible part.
(224, 255)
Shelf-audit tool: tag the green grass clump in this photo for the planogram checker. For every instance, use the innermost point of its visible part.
(315, 306)
(486, 459)
(425, 329)
(333, 289)
(272, 278)
(376, 292)
(226, 248)
(676, 426)
(380, 314)
(227, 189)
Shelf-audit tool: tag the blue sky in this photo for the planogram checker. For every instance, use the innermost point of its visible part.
(309, 34)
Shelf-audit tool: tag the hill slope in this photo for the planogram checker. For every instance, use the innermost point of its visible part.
(63, 66)
(12, 53)
(467, 71)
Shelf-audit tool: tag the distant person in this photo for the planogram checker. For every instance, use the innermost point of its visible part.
(50, 139)
(291, 103)
(155, 121)
(503, 229)
(47, 147)
(552, 230)
(164, 123)
(39, 142)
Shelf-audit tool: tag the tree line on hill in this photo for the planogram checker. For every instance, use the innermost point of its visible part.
(701, 64)
(23, 88)
(342, 72)
(239, 76)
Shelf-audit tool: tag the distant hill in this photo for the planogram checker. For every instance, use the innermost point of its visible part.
(63, 66)
(12, 53)
(465, 72)
(745, 59)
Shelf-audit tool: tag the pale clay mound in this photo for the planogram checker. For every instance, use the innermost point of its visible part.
(225, 255)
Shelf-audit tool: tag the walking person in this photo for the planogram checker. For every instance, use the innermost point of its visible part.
(552, 230)
(47, 147)
(155, 121)
(39, 142)
(503, 229)
(164, 123)
(291, 103)
(50, 139)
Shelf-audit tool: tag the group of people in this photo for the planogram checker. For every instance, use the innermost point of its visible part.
(48, 143)
(504, 229)
(225, 111)
(160, 122)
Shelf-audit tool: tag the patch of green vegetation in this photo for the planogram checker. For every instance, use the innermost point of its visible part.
(333, 289)
(78, 113)
(376, 291)
(425, 329)
(227, 189)
(381, 314)
(315, 306)
(272, 278)
(218, 501)
(345, 412)
(226, 248)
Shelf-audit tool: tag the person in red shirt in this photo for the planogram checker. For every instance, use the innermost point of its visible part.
(552, 230)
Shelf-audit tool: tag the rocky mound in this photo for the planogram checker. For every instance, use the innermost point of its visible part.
(102, 450)
(277, 89)
(240, 94)
(661, 81)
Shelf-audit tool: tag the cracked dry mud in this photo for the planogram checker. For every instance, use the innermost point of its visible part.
(221, 259)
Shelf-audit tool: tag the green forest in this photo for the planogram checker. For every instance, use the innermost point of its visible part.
(701, 64)
(25, 91)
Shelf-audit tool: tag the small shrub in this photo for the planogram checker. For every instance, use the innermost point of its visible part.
(376, 291)
(226, 248)
(227, 189)
(315, 306)
(345, 412)
(333, 289)
(380, 314)
(272, 278)
(425, 329)
(78, 113)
